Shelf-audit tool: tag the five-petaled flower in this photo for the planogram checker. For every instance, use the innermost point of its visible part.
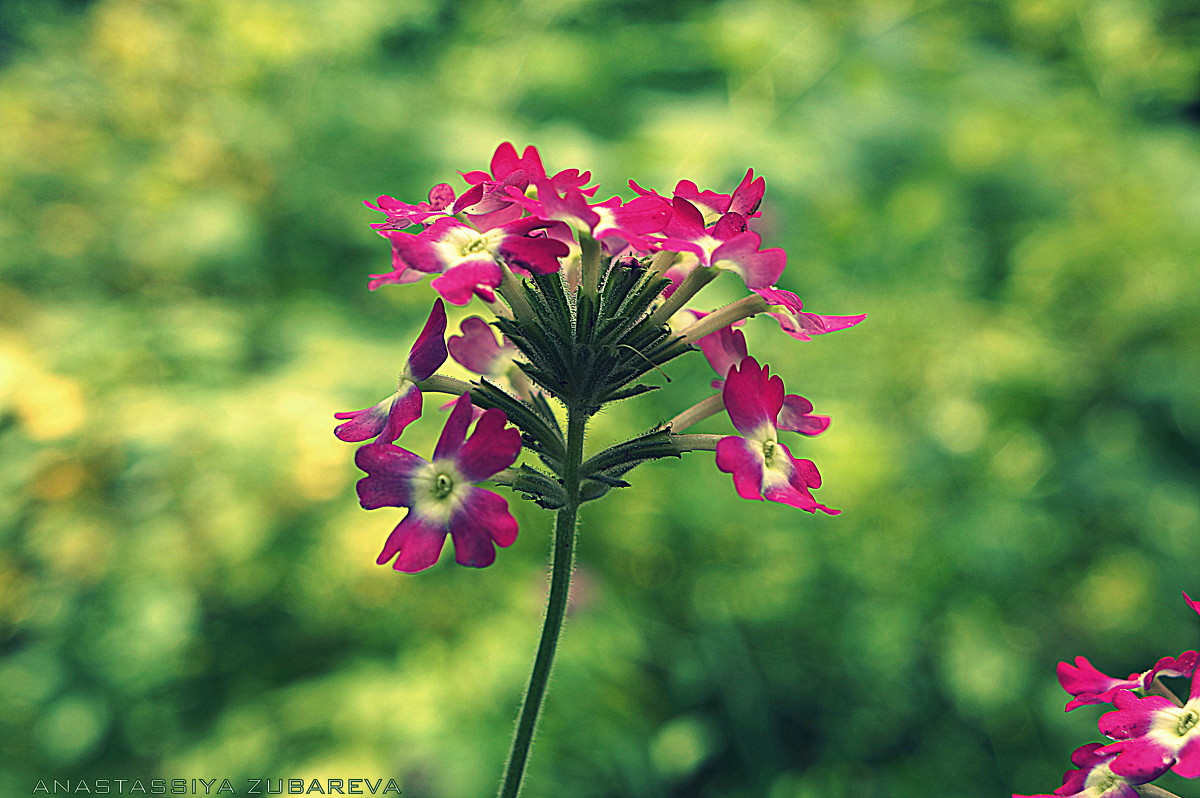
(1154, 735)
(466, 259)
(441, 494)
(1091, 686)
(1092, 777)
(761, 466)
(388, 418)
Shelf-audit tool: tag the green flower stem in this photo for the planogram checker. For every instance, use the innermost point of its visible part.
(744, 308)
(1150, 791)
(441, 384)
(662, 260)
(561, 564)
(696, 443)
(691, 285)
(589, 261)
(1158, 688)
(697, 412)
(512, 292)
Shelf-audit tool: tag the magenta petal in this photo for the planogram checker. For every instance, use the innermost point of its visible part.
(476, 276)
(1133, 716)
(644, 215)
(491, 511)
(1141, 760)
(538, 255)
(1083, 677)
(418, 542)
(415, 251)
(795, 492)
(363, 424)
(785, 493)
(389, 473)
(797, 416)
(476, 349)
(729, 225)
(802, 326)
(1085, 756)
(429, 352)
(834, 323)
(455, 431)
(483, 519)
(737, 456)
(1183, 665)
(777, 296)
(748, 195)
(441, 195)
(752, 396)
(1193, 603)
(686, 221)
(406, 408)
(723, 349)
(760, 269)
(490, 449)
(1187, 762)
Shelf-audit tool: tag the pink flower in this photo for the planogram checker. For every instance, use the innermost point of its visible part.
(388, 418)
(441, 495)
(478, 350)
(1093, 778)
(1194, 604)
(1153, 735)
(1090, 686)
(726, 347)
(401, 214)
(744, 201)
(489, 202)
(726, 245)
(619, 226)
(799, 324)
(468, 259)
(761, 466)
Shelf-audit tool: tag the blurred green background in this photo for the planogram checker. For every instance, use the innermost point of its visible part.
(1010, 189)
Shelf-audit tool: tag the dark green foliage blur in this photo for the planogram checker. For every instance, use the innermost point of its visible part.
(1010, 190)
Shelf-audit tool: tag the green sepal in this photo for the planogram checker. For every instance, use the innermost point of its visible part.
(616, 461)
(625, 393)
(539, 487)
(539, 432)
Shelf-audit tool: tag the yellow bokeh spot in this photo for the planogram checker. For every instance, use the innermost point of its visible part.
(50, 407)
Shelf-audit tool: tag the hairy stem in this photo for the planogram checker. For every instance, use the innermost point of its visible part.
(442, 384)
(510, 289)
(735, 311)
(697, 413)
(1151, 791)
(561, 564)
(696, 443)
(1158, 688)
(690, 286)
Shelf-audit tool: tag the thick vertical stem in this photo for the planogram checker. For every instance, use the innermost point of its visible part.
(562, 561)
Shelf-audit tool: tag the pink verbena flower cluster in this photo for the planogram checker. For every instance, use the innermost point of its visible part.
(588, 297)
(1152, 730)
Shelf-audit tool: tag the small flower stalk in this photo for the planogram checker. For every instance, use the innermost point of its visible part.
(589, 301)
(1151, 730)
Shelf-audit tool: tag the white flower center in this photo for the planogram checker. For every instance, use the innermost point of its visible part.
(777, 466)
(438, 490)
(463, 243)
(1101, 780)
(1188, 718)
